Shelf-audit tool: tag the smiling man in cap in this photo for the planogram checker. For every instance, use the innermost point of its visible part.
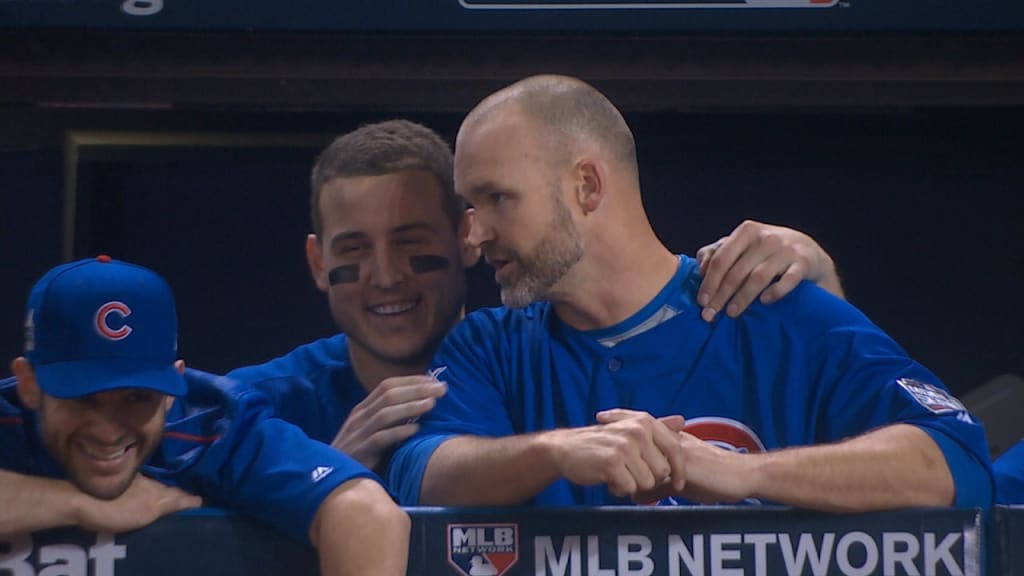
(99, 396)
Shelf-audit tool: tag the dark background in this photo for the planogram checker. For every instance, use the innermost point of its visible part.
(901, 153)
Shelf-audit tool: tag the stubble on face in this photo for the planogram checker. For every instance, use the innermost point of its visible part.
(441, 293)
(558, 250)
(70, 448)
(101, 491)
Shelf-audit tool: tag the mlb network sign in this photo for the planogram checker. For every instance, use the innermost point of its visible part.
(493, 550)
(483, 549)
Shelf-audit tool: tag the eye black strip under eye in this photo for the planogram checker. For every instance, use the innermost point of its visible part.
(424, 263)
(344, 274)
(420, 264)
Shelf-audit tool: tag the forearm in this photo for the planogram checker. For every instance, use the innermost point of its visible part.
(476, 471)
(893, 467)
(32, 503)
(359, 531)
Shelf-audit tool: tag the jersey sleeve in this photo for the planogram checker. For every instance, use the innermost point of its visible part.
(470, 362)
(259, 465)
(293, 398)
(14, 449)
(1009, 473)
(869, 381)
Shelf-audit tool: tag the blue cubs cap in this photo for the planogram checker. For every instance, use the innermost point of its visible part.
(101, 324)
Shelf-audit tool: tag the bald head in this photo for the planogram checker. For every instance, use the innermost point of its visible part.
(549, 166)
(570, 113)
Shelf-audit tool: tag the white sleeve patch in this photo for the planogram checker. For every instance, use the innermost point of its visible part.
(931, 397)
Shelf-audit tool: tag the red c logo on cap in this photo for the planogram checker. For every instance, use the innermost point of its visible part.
(104, 329)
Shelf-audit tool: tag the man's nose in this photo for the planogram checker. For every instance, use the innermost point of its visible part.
(480, 231)
(106, 424)
(386, 269)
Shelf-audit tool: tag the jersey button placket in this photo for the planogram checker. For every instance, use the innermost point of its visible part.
(614, 363)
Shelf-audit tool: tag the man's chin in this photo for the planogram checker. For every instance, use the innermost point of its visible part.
(103, 488)
(516, 298)
(403, 355)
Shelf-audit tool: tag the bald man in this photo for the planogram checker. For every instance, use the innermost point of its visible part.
(600, 383)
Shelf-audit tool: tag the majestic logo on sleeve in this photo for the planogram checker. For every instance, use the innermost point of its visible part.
(321, 472)
(725, 433)
(110, 321)
(483, 549)
(931, 397)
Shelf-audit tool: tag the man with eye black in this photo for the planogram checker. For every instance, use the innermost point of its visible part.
(389, 246)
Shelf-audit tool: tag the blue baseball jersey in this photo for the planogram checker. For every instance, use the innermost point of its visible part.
(808, 369)
(1009, 472)
(219, 443)
(313, 386)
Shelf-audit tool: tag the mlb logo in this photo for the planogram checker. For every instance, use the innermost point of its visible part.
(483, 549)
(931, 397)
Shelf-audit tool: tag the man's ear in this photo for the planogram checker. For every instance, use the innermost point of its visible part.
(315, 259)
(470, 253)
(179, 365)
(588, 182)
(28, 388)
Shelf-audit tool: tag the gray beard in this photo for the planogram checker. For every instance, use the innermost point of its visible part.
(556, 253)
